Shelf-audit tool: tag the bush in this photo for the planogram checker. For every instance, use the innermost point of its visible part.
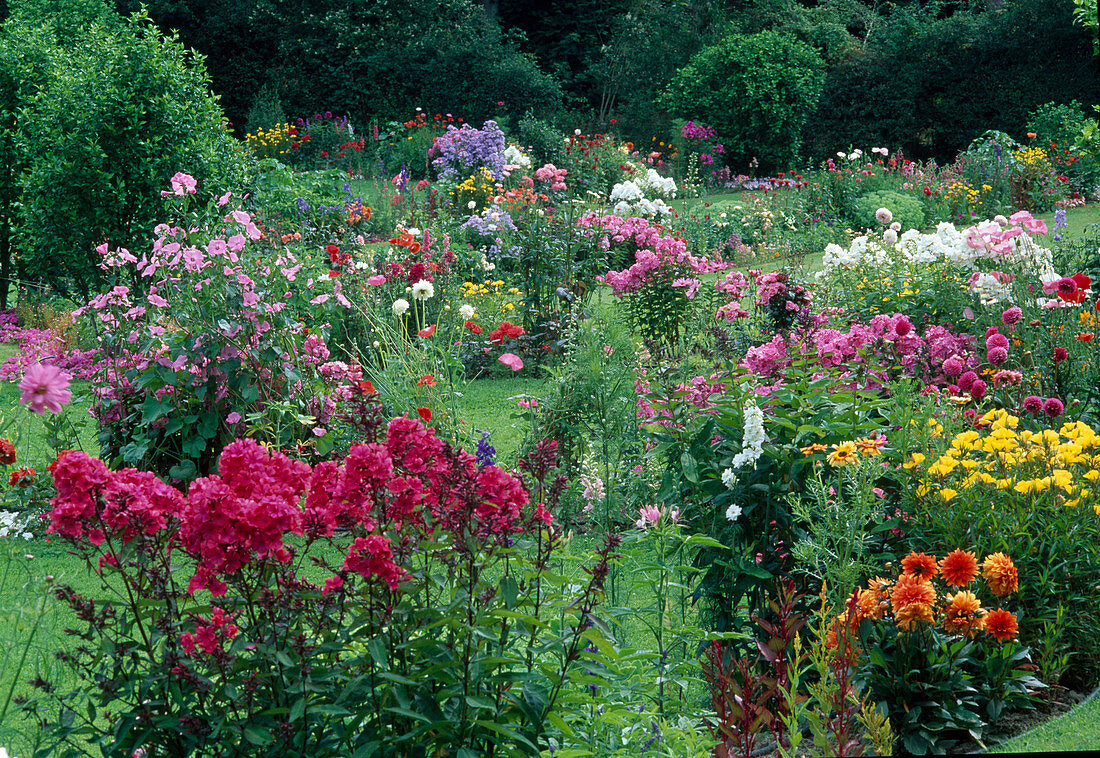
(906, 209)
(121, 110)
(756, 90)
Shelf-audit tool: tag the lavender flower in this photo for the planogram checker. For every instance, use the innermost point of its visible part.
(490, 222)
(462, 151)
(486, 453)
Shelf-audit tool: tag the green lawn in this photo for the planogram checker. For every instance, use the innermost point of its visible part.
(1077, 730)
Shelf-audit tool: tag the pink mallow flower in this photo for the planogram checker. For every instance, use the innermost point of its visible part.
(45, 387)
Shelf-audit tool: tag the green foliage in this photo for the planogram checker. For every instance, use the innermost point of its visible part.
(756, 90)
(25, 52)
(928, 81)
(543, 139)
(266, 110)
(906, 209)
(1059, 123)
(122, 110)
(457, 61)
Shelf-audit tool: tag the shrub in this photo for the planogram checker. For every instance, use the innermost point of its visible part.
(756, 90)
(121, 110)
(906, 209)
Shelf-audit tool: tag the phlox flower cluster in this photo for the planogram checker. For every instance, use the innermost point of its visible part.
(210, 635)
(644, 194)
(989, 240)
(753, 437)
(243, 514)
(490, 222)
(458, 152)
(43, 346)
(553, 176)
(697, 393)
(657, 258)
(892, 338)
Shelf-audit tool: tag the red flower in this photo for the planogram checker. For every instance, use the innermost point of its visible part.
(22, 476)
(1060, 354)
(425, 413)
(506, 329)
(366, 387)
(473, 327)
(427, 331)
(1085, 336)
(426, 381)
(7, 452)
(927, 192)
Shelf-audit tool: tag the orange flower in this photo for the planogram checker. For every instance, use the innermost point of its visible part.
(871, 605)
(912, 600)
(816, 447)
(1085, 336)
(963, 614)
(959, 568)
(1001, 624)
(848, 632)
(1000, 574)
(907, 617)
(920, 565)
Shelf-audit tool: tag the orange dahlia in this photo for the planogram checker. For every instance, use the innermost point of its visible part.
(958, 568)
(1000, 574)
(1001, 625)
(871, 604)
(963, 614)
(920, 565)
(912, 600)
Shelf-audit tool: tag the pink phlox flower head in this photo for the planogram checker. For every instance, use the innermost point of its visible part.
(45, 387)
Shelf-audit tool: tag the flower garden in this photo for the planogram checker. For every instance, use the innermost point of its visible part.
(427, 438)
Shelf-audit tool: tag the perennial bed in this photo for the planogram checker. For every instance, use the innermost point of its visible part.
(847, 507)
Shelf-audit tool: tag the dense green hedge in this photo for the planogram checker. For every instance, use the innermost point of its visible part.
(117, 112)
(756, 90)
(930, 85)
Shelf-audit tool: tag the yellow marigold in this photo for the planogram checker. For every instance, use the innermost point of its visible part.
(963, 614)
(1000, 574)
(959, 568)
(843, 453)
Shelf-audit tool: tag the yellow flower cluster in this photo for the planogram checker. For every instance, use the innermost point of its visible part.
(478, 188)
(270, 143)
(1001, 457)
(492, 297)
(1033, 159)
(962, 193)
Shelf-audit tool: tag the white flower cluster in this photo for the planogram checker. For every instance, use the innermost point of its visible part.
(644, 195)
(946, 243)
(13, 523)
(752, 443)
(516, 158)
